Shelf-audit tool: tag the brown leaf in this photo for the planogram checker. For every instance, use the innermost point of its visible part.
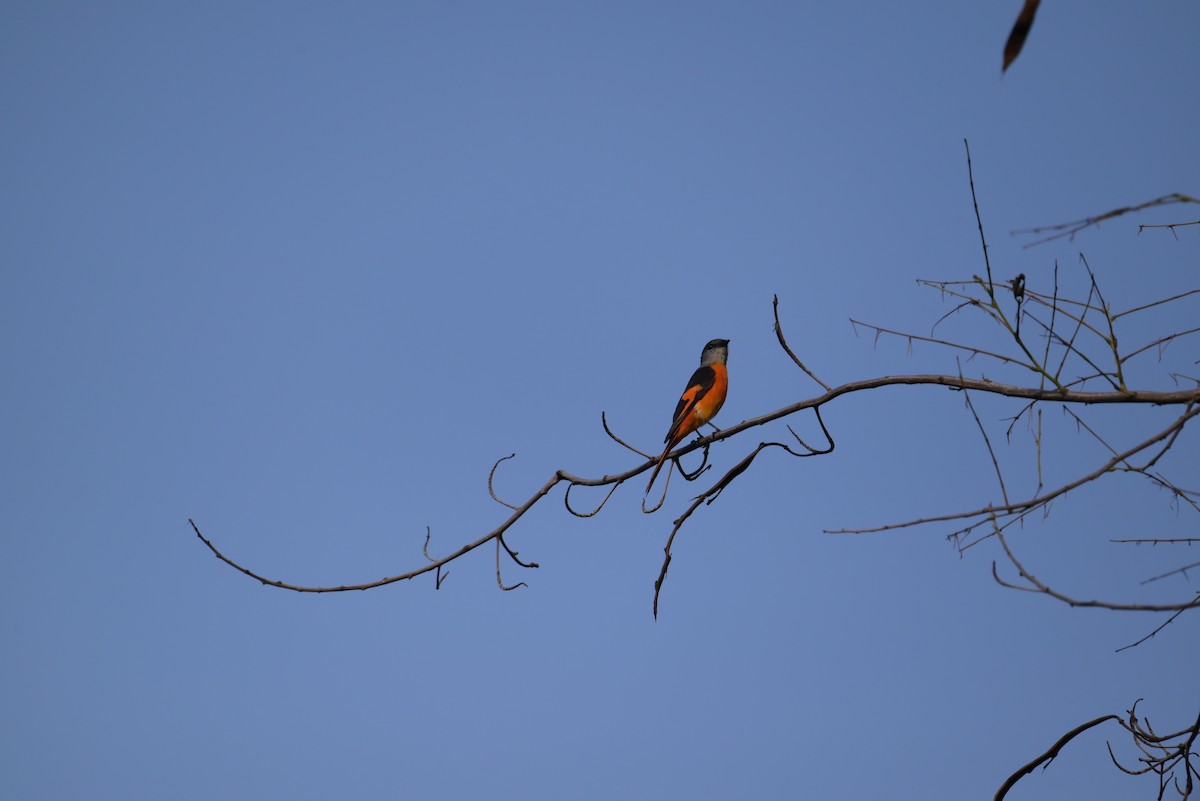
(1020, 29)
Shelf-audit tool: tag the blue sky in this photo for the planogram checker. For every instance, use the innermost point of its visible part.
(303, 272)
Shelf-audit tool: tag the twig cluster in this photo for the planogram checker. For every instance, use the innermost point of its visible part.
(1164, 755)
(1170, 757)
(1069, 346)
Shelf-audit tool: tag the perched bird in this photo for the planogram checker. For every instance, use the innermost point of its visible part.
(701, 400)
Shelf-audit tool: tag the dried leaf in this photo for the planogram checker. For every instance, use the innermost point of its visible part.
(1020, 29)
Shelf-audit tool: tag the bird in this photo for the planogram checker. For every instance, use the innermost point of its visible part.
(701, 400)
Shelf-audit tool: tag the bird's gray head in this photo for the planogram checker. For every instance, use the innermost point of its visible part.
(715, 352)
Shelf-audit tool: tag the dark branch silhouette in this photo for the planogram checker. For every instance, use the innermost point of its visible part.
(1170, 757)
(1065, 349)
(1045, 759)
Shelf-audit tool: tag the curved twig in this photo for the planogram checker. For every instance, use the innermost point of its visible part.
(811, 450)
(594, 512)
(695, 474)
(666, 486)
(1038, 586)
(618, 440)
(513, 554)
(492, 475)
(439, 576)
(500, 581)
(787, 348)
(1050, 754)
(966, 303)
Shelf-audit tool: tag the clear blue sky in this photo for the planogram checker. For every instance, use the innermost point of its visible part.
(304, 271)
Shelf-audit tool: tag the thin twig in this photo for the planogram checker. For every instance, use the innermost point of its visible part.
(1036, 585)
(500, 581)
(787, 349)
(979, 220)
(618, 440)
(1150, 636)
(1041, 500)
(492, 475)
(988, 443)
(1069, 229)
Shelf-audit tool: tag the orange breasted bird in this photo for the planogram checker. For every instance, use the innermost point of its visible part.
(701, 400)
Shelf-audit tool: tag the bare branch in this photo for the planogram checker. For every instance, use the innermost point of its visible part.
(1069, 229)
(434, 565)
(618, 440)
(988, 443)
(1184, 540)
(500, 581)
(1151, 635)
(1035, 585)
(1041, 500)
(1179, 571)
(787, 349)
(987, 262)
(1079, 336)
(440, 576)
(708, 496)
(1170, 226)
(1159, 343)
(974, 351)
(492, 475)
(1050, 754)
(1156, 303)
(513, 554)
(594, 512)
(1160, 755)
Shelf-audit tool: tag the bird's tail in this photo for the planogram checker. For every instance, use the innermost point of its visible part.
(658, 466)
